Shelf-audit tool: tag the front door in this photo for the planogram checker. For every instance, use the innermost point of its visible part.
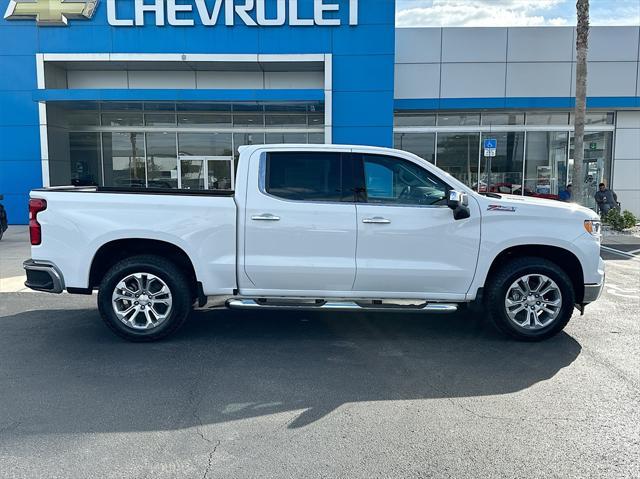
(408, 241)
(300, 226)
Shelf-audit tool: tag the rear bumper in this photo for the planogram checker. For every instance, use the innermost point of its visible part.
(43, 276)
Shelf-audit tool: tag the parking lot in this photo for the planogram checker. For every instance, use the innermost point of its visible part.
(293, 394)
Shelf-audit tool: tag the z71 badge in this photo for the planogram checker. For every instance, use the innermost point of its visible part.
(510, 209)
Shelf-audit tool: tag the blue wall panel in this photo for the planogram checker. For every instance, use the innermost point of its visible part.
(81, 37)
(366, 135)
(515, 103)
(375, 103)
(18, 109)
(364, 70)
(363, 57)
(294, 40)
(17, 207)
(19, 143)
(17, 39)
(17, 72)
(23, 173)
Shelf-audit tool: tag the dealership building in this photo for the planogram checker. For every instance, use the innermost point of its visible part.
(161, 93)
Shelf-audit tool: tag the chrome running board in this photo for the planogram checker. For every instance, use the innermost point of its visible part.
(340, 306)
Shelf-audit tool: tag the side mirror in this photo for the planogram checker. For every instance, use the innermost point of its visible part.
(459, 203)
(457, 198)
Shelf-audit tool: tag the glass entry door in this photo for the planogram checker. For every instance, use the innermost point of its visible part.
(220, 173)
(206, 172)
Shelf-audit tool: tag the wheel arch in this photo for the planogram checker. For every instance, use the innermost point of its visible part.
(562, 257)
(116, 250)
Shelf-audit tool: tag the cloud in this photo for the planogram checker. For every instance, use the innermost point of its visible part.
(558, 22)
(474, 13)
(622, 13)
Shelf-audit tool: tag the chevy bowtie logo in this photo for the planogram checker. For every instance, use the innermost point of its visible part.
(50, 12)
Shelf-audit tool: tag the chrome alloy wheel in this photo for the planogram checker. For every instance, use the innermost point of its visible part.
(533, 301)
(142, 301)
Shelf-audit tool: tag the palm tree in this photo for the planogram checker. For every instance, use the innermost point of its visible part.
(582, 43)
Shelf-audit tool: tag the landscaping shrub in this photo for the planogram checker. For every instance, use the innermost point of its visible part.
(620, 222)
(630, 219)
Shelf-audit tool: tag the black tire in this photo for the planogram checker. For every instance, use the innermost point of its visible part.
(499, 283)
(174, 279)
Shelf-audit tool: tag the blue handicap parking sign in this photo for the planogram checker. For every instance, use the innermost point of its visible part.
(490, 143)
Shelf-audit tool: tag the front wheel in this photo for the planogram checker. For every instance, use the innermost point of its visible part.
(144, 298)
(530, 299)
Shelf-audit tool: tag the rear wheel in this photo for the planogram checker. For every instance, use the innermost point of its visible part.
(144, 298)
(530, 299)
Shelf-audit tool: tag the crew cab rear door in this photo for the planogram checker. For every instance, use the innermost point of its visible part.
(409, 243)
(300, 224)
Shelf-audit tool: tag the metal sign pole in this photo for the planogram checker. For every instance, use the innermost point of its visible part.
(490, 147)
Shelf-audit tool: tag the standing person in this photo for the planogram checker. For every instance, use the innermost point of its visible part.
(606, 199)
(3, 219)
(565, 195)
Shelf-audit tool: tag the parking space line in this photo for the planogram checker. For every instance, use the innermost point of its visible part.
(621, 253)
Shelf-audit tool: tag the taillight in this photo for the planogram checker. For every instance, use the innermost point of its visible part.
(36, 205)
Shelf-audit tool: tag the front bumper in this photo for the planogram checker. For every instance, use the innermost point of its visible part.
(593, 289)
(592, 292)
(43, 276)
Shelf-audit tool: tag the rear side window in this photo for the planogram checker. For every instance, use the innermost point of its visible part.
(304, 176)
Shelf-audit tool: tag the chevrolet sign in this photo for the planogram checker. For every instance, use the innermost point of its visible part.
(50, 12)
(249, 12)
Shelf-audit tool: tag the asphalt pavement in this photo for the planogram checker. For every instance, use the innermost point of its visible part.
(297, 395)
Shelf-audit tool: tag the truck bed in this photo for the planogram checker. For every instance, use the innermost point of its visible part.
(76, 225)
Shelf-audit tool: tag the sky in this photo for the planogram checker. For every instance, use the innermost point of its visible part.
(489, 13)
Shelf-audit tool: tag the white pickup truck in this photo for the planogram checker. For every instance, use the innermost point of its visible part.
(318, 227)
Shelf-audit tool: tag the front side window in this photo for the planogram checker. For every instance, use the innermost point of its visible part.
(394, 181)
(304, 176)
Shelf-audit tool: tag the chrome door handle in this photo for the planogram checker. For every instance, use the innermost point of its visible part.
(265, 217)
(379, 220)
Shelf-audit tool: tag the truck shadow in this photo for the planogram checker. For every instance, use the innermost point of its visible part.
(62, 371)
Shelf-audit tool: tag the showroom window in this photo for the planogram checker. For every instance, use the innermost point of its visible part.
(503, 172)
(409, 119)
(503, 118)
(168, 144)
(124, 159)
(547, 118)
(203, 120)
(533, 156)
(421, 144)
(162, 169)
(468, 119)
(546, 166)
(598, 147)
(458, 155)
(84, 152)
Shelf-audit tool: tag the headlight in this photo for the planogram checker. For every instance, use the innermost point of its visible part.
(592, 227)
